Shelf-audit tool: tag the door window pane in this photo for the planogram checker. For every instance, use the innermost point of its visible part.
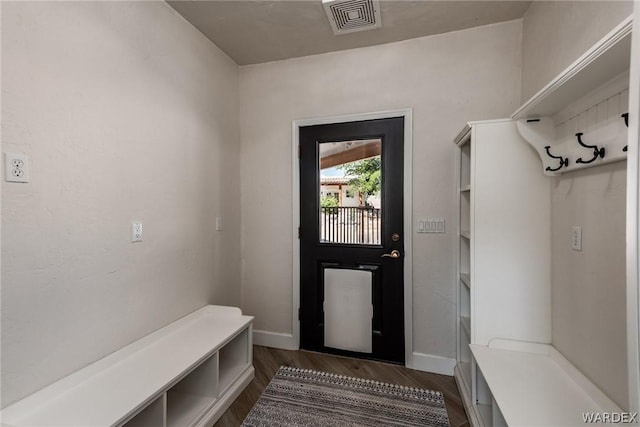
(350, 192)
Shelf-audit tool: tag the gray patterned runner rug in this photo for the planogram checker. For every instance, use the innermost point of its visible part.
(300, 397)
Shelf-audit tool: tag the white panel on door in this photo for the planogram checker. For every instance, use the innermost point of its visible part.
(348, 309)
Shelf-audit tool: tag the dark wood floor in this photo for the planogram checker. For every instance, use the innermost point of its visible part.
(266, 362)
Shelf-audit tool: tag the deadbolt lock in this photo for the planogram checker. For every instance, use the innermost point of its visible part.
(395, 237)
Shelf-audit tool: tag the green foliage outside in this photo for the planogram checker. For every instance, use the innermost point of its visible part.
(329, 202)
(366, 175)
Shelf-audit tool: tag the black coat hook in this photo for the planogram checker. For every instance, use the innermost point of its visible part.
(564, 162)
(625, 116)
(597, 152)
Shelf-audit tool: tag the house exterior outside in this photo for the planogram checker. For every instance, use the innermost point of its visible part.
(346, 195)
(356, 220)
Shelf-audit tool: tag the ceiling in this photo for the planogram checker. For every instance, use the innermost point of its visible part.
(252, 32)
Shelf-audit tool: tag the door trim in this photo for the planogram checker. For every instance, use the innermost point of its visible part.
(407, 113)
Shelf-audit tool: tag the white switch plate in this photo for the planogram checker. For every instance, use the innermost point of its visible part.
(136, 231)
(16, 167)
(576, 238)
(431, 225)
(218, 223)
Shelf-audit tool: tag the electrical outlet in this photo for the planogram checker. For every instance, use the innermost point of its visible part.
(136, 231)
(576, 238)
(218, 223)
(16, 167)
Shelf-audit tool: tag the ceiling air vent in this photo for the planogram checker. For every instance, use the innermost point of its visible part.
(349, 16)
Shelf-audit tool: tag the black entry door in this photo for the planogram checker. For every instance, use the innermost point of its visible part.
(351, 238)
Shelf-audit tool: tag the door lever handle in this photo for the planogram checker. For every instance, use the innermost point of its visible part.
(394, 254)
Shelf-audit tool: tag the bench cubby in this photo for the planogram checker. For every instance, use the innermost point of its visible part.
(183, 375)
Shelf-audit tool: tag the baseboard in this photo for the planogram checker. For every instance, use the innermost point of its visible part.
(275, 340)
(433, 364)
(420, 362)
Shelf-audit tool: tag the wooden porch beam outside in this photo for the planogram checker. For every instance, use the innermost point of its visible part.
(366, 151)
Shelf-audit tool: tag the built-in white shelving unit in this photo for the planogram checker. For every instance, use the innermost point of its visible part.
(463, 167)
(503, 263)
(508, 371)
(528, 384)
(185, 374)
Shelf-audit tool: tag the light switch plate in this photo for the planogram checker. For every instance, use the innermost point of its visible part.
(136, 231)
(431, 225)
(576, 238)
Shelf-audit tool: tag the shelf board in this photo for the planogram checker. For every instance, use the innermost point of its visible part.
(603, 62)
(466, 279)
(464, 136)
(465, 323)
(466, 234)
(134, 373)
(229, 375)
(184, 409)
(151, 416)
(538, 388)
(486, 414)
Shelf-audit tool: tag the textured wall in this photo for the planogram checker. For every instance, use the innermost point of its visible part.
(126, 113)
(589, 287)
(556, 33)
(447, 80)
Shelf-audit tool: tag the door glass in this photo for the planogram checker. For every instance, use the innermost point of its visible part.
(350, 192)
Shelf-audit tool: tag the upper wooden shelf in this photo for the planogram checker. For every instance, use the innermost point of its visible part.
(606, 60)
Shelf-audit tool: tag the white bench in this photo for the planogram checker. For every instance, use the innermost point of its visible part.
(527, 384)
(185, 374)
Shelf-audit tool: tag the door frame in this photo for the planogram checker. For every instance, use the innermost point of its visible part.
(407, 114)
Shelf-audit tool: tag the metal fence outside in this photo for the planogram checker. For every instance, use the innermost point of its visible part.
(351, 225)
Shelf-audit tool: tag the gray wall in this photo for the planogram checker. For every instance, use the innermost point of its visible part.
(447, 80)
(556, 33)
(126, 113)
(588, 287)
